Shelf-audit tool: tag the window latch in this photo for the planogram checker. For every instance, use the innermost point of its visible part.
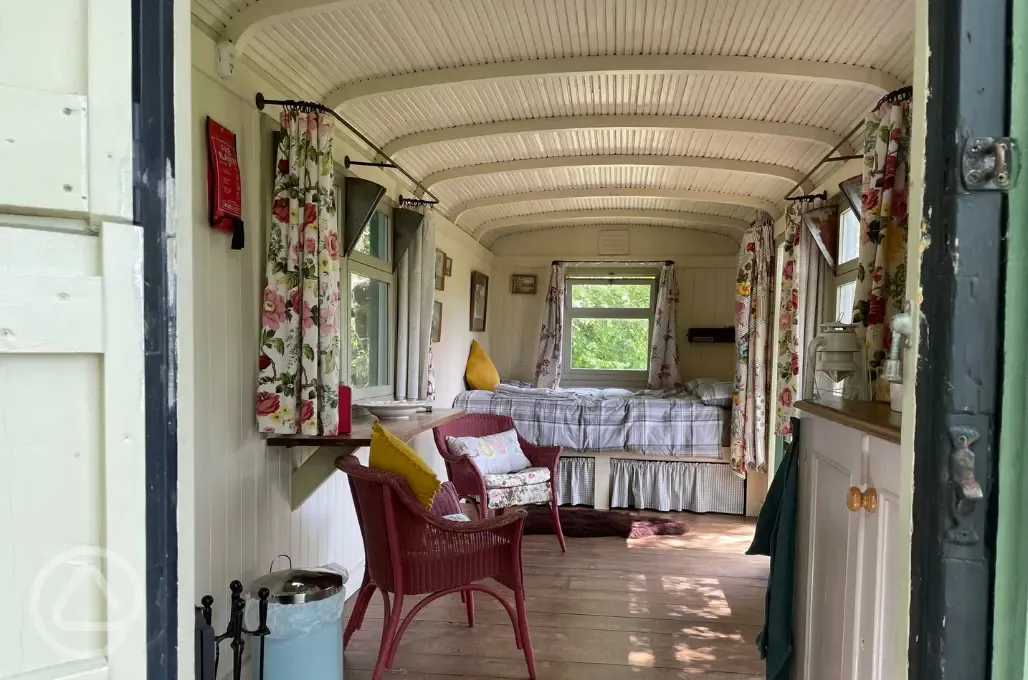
(989, 164)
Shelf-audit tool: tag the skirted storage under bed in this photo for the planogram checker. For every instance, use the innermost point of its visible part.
(665, 485)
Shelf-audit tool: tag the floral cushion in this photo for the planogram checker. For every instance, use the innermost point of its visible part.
(495, 454)
(532, 475)
(509, 496)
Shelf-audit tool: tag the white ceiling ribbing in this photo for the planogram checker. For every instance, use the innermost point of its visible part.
(715, 98)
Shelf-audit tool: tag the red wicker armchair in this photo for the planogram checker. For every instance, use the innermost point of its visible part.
(411, 550)
(470, 483)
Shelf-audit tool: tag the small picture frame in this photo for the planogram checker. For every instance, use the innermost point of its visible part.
(449, 266)
(440, 270)
(437, 321)
(523, 284)
(479, 301)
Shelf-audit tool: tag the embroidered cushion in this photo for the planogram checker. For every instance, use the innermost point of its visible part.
(495, 454)
(480, 371)
(389, 454)
(712, 392)
(532, 475)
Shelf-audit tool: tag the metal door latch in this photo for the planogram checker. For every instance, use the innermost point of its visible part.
(989, 163)
(967, 492)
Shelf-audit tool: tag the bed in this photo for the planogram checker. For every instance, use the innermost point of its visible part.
(653, 449)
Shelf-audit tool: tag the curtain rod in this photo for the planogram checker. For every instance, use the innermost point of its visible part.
(670, 263)
(315, 106)
(894, 97)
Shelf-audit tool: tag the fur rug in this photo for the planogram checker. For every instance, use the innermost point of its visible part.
(589, 523)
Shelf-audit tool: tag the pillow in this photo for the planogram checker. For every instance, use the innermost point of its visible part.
(480, 372)
(389, 454)
(712, 392)
(459, 517)
(495, 454)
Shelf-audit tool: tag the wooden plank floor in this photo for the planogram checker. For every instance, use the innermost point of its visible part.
(610, 609)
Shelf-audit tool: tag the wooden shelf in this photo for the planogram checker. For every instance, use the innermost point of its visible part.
(321, 465)
(873, 417)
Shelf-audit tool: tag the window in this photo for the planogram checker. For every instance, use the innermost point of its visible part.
(375, 240)
(368, 293)
(607, 333)
(849, 237)
(846, 270)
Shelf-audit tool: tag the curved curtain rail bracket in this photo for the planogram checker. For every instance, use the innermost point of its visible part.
(261, 102)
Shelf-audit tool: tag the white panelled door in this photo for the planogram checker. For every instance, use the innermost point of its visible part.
(880, 647)
(828, 540)
(72, 494)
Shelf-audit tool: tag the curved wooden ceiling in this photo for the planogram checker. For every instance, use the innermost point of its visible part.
(530, 114)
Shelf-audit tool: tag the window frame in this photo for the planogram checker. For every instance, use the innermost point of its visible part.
(373, 268)
(845, 272)
(607, 377)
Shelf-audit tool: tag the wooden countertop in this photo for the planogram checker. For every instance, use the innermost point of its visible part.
(873, 417)
(360, 434)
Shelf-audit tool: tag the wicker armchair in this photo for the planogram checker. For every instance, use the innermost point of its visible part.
(490, 500)
(411, 550)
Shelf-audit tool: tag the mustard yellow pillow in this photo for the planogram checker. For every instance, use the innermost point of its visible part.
(389, 454)
(481, 373)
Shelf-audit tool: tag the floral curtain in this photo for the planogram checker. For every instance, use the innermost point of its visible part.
(752, 316)
(788, 361)
(548, 363)
(298, 376)
(415, 286)
(882, 270)
(804, 269)
(663, 371)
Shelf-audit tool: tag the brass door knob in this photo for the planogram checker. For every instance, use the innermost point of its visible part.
(854, 499)
(871, 500)
(857, 499)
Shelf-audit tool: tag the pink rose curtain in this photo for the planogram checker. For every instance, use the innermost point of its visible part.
(882, 272)
(663, 373)
(300, 341)
(548, 363)
(803, 300)
(753, 316)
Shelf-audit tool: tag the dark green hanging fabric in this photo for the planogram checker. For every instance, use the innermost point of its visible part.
(775, 536)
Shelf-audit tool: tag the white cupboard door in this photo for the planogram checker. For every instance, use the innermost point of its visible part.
(72, 495)
(879, 645)
(833, 463)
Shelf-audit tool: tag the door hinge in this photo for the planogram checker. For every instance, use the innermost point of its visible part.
(989, 163)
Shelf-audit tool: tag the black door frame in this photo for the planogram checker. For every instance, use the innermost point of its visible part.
(958, 373)
(153, 132)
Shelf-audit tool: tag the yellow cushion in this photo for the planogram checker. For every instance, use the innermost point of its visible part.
(389, 454)
(481, 373)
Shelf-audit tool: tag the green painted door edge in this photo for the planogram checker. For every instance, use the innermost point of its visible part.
(1010, 621)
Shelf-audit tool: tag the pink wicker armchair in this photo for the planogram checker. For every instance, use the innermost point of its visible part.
(470, 483)
(411, 550)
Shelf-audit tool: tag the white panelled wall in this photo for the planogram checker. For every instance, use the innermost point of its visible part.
(706, 267)
(243, 515)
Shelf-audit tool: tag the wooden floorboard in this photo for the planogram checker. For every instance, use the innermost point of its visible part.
(610, 609)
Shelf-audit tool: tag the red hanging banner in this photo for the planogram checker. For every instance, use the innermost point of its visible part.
(224, 188)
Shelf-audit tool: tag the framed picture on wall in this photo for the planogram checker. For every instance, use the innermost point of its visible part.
(440, 270)
(437, 321)
(522, 284)
(449, 266)
(479, 301)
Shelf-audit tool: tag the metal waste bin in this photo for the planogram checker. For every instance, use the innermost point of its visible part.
(305, 616)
